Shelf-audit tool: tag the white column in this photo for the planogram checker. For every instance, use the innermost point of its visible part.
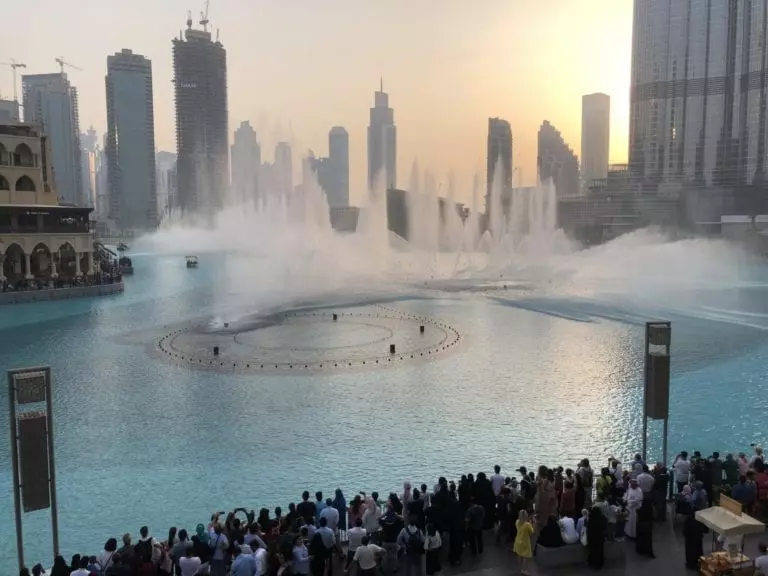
(54, 270)
(28, 275)
(77, 265)
(2, 261)
(91, 270)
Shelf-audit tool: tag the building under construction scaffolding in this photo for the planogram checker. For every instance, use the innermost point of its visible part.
(200, 78)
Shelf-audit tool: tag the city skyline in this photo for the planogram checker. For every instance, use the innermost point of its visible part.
(441, 110)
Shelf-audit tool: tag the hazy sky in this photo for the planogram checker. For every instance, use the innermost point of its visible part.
(298, 67)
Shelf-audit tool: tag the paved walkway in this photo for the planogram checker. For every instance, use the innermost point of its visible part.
(668, 546)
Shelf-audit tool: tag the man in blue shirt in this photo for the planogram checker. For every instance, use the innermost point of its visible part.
(319, 505)
(242, 564)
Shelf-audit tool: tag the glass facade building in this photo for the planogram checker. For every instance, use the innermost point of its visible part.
(699, 88)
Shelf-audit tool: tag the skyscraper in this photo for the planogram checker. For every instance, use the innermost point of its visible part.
(246, 160)
(557, 162)
(165, 168)
(202, 132)
(51, 102)
(89, 157)
(283, 169)
(698, 91)
(131, 141)
(499, 156)
(382, 141)
(595, 136)
(338, 156)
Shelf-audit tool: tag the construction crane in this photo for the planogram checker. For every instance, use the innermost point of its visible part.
(61, 62)
(204, 16)
(14, 66)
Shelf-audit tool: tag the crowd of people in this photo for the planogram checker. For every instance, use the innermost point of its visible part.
(422, 526)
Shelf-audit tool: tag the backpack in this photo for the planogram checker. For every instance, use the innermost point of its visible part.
(414, 545)
(143, 548)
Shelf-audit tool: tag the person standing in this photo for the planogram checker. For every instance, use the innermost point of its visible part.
(545, 499)
(356, 536)
(432, 545)
(586, 475)
(633, 498)
(596, 529)
(366, 556)
(497, 480)
(522, 546)
(411, 540)
(682, 468)
(693, 531)
(475, 517)
(644, 542)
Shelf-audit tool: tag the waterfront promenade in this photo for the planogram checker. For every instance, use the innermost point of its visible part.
(448, 506)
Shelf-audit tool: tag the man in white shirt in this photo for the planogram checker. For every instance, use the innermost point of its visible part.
(83, 569)
(761, 562)
(189, 564)
(331, 515)
(645, 481)
(366, 557)
(497, 480)
(355, 536)
(682, 468)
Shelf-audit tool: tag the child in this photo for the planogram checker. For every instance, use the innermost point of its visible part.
(432, 545)
(523, 540)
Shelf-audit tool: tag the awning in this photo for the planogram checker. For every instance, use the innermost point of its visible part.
(727, 523)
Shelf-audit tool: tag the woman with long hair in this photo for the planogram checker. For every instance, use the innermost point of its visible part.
(545, 500)
(407, 493)
(355, 510)
(523, 547)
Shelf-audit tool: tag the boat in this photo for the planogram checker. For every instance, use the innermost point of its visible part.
(125, 265)
(191, 261)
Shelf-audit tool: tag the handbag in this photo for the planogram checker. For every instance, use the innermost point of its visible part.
(584, 537)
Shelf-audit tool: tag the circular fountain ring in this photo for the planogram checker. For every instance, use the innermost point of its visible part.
(307, 342)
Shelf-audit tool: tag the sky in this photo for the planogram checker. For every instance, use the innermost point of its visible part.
(298, 67)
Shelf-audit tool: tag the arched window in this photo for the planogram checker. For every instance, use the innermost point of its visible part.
(4, 158)
(23, 156)
(25, 184)
(4, 183)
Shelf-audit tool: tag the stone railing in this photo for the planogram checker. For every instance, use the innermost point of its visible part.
(26, 296)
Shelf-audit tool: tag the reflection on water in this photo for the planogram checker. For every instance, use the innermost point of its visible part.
(539, 378)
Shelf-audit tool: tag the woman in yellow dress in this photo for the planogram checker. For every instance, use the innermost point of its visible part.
(523, 540)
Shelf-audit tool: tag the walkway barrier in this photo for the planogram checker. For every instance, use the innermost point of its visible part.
(48, 294)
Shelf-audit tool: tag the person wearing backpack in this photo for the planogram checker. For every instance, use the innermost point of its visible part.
(411, 539)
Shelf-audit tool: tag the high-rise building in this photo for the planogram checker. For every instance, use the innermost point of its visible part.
(595, 136)
(89, 157)
(557, 162)
(9, 111)
(283, 169)
(165, 167)
(202, 132)
(338, 156)
(246, 161)
(131, 141)
(382, 141)
(51, 102)
(699, 88)
(499, 156)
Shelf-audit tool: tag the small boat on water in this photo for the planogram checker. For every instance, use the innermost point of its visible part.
(126, 265)
(191, 261)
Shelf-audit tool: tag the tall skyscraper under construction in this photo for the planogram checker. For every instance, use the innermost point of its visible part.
(202, 132)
